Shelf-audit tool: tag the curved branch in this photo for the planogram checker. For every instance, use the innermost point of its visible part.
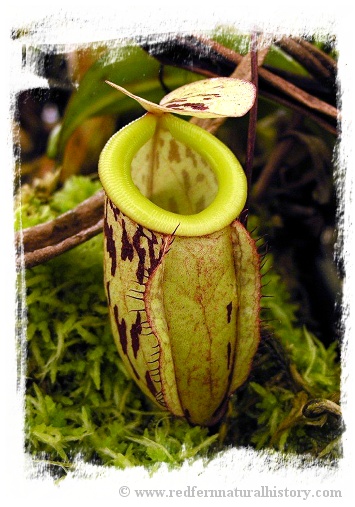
(42, 242)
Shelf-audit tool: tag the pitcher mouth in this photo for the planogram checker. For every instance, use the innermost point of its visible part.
(115, 167)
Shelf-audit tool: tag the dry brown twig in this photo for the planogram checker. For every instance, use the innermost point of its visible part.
(318, 63)
(44, 241)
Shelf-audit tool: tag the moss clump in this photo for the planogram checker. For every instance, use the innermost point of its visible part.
(81, 402)
(79, 398)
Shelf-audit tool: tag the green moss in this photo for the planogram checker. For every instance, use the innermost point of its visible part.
(80, 400)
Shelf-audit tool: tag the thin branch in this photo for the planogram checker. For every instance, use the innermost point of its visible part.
(252, 125)
(326, 60)
(297, 108)
(44, 241)
(308, 59)
(299, 95)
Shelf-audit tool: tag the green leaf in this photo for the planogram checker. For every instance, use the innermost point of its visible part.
(280, 60)
(129, 66)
